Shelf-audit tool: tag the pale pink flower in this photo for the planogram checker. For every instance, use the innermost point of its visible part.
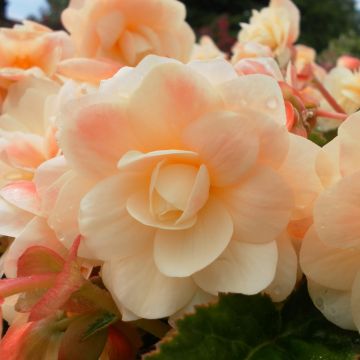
(126, 31)
(33, 45)
(172, 151)
(330, 255)
(276, 27)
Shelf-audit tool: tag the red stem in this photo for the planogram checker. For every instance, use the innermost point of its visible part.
(329, 98)
(331, 115)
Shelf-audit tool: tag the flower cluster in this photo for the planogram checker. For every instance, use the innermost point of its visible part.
(142, 174)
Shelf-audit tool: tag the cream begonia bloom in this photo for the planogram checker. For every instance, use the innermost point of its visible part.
(249, 49)
(189, 171)
(276, 27)
(126, 31)
(344, 85)
(330, 256)
(33, 45)
(206, 49)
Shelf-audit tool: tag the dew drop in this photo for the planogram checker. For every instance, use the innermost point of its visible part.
(319, 302)
(272, 103)
(277, 290)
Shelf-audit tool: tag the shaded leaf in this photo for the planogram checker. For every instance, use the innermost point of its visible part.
(74, 347)
(252, 328)
(103, 321)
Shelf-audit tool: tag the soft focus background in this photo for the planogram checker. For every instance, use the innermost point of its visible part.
(332, 27)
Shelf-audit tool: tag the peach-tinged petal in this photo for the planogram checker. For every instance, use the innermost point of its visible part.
(109, 27)
(259, 99)
(138, 206)
(89, 70)
(106, 225)
(334, 304)
(198, 196)
(12, 219)
(95, 137)
(329, 266)
(242, 268)
(226, 145)
(217, 71)
(260, 206)
(23, 195)
(349, 154)
(21, 150)
(138, 161)
(174, 183)
(286, 270)
(181, 253)
(36, 233)
(146, 292)
(337, 212)
(300, 164)
(260, 93)
(63, 218)
(48, 172)
(327, 164)
(181, 97)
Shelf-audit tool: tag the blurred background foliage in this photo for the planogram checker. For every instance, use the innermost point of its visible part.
(332, 27)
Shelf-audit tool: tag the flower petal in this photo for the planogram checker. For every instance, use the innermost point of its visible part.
(337, 213)
(137, 283)
(106, 224)
(334, 304)
(94, 136)
(226, 144)
(36, 233)
(260, 206)
(329, 266)
(181, 253)
(23, 195)
(12, 219)
(286, 270)
(242, 268)
(181, 97)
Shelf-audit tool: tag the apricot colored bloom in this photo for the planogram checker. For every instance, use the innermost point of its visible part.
(126, 31)
(206, 50)
(344, 85)
(276, 26)
(33, 45)
(330, 256)
(189, 189)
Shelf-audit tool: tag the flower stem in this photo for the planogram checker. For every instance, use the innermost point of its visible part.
(331, 115)
(329, 98)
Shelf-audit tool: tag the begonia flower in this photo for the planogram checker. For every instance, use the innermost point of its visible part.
(33, 45)
(171, 151)
(126, 31)
(330, 255)
(276, 26)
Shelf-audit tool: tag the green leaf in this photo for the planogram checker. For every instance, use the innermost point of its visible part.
(100, 323)
(252, 328)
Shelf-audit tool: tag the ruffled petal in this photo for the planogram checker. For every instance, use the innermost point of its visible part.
(182, 253)
(242, 268)
(137, 283)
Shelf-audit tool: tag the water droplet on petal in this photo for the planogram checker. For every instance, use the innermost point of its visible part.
(272, 103)
(319, 302)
